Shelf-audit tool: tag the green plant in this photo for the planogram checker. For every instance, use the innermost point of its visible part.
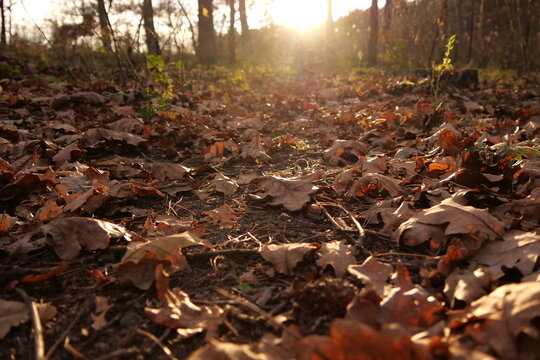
(445, 66)
(156, 67)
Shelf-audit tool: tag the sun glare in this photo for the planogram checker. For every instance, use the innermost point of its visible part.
(299, 14)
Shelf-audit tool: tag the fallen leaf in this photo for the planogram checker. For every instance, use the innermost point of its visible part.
(285, 257)
(14, 313)
(373, 274)
(498, 319)
(67, 236)
(519, 250)
(292, 193)
(352, 340)
(217, 350)
(139, 262)
(63, 266)
(446, 219)
(223, 184)
(166, 171)
(337, 254)
(343, 149)
(222, 216)
(180, 313)
(98, 317)
(466, 285)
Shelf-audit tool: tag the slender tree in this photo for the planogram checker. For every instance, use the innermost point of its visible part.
(207, 35)
(373, 33)
(329, 30)
(232, 31)
(104, 25)
(3, 31)
(246, 34)
(151, 36)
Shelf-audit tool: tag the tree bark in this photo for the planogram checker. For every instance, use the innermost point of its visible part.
(232, 31)
(3, 30)
(246, 34)
(373, 32)
(471, 32)
(104, 25)
(152, 42)
(207, 35)
(388, 7)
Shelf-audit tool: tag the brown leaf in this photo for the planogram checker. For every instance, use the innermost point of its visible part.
(337, 254)
(519, 250)
(139, 262)
(166, 171)
(14, 313)
(352, 340)
(498, 319)
(372, 181)
(224, 185)
(222, 216)
(292, 193)
(373, 274)
(98, 317)
(466, 285)
(68, 236)
(350, 148)
(448, 218)
(216, 350)
(63, 266)
(180, 313)
(285, 257)
(415, 308)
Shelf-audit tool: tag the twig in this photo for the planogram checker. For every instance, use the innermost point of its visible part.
(118, 353)
(158, 342)
(36, 322)
(66, 332)
(406, 254)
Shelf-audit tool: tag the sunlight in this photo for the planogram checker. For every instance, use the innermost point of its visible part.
(305, 14)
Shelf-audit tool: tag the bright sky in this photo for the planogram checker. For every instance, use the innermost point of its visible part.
(294, 13)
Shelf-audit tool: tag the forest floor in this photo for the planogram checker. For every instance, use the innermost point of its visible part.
(258, 215)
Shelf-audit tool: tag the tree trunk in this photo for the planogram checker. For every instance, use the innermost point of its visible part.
(388, 7)
(471, 32)
(151, 36)
(3, 31)
(329, 31)
(104, 25)
(232, 31)
(190, 24)
(246, 34)
(373, 32)
(207, 35)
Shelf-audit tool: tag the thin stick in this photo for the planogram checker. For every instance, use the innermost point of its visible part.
(158, 342)
(118, 353)
(36, 322)
(66, 332)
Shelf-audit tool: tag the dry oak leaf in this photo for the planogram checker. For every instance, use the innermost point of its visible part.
(414, 308)
(285, 257)
(448, 218)
(180, 313)
(518, 250)
(95, 135)
(344, 147)
(102, 307)
(371, 181)
(353, 340)
(337, 254)
(222, 216)
(292, 193)
(139, 263)
(223, 184)
(495, 321)
(67, 236)
(373, 274)
(14, 313)
(466, 285)
(216, 350)
(166, 171)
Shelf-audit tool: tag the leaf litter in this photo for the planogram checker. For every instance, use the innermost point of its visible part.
(277, 221)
